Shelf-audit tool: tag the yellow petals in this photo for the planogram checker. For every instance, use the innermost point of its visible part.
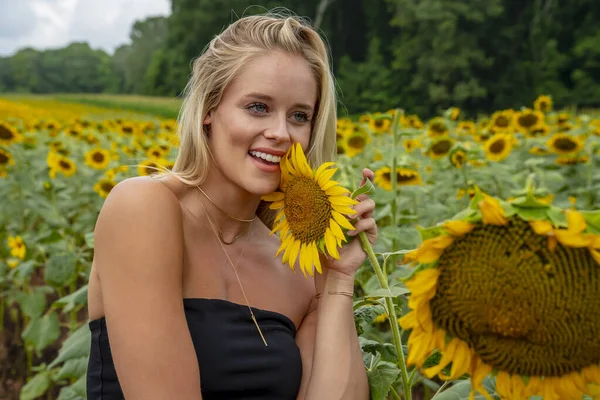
(492, 212)
(423, 281)
(542, 227)
(275, 196)
(430, 250)
(458, 228)
(17, 246)
(575, 221)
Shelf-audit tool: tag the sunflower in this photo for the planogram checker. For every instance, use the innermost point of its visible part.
(155, 152)
(74, 131)
(380, 124)
(495, 295)
(63, 165)
(502, 121)
(440, 148)
(404, 177)
(104, 186)
(467, 128)
(17, 247)
(543, 104)
(9, 135)
(412, 121)
(311, 208)
(562, 143)
(6, 159)
(458, 157)
(169, 125)
(149, 167)
(411, 144)
(129, 129)
(97, 158)
(540, 130)
(437, 127)
(570, 160)
(356, 141)
(498, 147)
(539, 151)
(527, 120)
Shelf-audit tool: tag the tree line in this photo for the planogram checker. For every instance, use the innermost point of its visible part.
(421, 55)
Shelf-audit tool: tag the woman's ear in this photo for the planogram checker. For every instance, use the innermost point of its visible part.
(207, 119)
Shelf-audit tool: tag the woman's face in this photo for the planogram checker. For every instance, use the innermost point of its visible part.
(268, 106)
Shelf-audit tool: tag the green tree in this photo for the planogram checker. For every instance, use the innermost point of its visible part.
(147, 37)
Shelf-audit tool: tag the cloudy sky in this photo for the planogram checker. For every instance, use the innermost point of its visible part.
(44, 24)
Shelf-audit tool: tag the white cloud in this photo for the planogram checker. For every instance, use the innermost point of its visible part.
(43, 24)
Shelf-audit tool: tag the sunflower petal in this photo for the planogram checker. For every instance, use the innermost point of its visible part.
(341, 220)
(275, 196)
(323, 167)
(575, 221)
(342, 201)
(337, 231)
(325, 176)
(331, 244)
(337, 191)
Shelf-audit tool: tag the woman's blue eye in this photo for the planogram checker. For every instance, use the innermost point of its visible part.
(301, 117)
(258, 107)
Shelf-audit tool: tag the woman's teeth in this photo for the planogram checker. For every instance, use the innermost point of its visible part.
(265, 156)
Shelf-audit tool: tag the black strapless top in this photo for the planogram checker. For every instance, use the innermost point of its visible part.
(233, 360)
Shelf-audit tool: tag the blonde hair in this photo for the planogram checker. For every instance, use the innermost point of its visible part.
(242, 41)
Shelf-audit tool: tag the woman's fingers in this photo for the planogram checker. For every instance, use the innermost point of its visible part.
(365, 208)
(367, 225)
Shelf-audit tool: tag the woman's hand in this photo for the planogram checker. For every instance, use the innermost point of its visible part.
(351, 254)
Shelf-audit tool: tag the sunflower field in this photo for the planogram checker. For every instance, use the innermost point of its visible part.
(484, 283)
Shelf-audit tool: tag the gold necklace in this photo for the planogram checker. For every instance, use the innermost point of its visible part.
(236, 273)
(223, 211)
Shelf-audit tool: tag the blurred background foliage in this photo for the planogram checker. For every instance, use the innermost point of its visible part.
(425, 55)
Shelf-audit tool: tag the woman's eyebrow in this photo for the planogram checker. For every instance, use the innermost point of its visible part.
(266, 97)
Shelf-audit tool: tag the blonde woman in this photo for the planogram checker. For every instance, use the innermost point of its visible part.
(186, 298)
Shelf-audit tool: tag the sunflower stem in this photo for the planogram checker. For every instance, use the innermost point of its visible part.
(394, 179)
(393, 319)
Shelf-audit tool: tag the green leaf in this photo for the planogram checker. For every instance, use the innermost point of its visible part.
(592, 218)
(75, 346)
(530, 214)
(73, 368)
(74, 392)
(71, 301)
(23, 271)
(36, 386)
(89, 239)
(32, 304)
(557, 217)
(381, 379)
(60, 269)
(368, 313)
(42, 332)
(386, 350)
(462, 389)
(428, 233)
(393, 291)
(367, 188)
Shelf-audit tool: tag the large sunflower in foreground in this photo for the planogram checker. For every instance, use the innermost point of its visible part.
(311, 211)
(512, 290)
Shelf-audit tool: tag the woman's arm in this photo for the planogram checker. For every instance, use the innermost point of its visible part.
(327, 338)
(138, 254)
(334, 358)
